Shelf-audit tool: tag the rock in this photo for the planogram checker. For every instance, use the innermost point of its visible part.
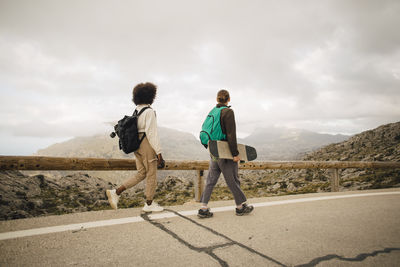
(172, 182)
(347, 184)
(276, 186)
(291, 187)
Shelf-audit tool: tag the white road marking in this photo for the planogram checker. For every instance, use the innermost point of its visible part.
(87, 225)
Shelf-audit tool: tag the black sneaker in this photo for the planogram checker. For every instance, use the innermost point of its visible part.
(204, 213)
(244, 210)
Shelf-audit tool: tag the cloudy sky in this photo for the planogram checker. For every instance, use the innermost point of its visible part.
(67, 68)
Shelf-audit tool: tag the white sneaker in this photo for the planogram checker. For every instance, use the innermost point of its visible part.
(113, 198)
(153, 207)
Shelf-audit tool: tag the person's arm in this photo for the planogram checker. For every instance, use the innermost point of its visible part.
(230, 130)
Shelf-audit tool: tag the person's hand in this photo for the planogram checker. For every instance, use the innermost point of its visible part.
(160, 162)
(236, 159)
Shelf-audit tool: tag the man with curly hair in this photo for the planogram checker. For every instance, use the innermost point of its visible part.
(228, 167)
(148, 156)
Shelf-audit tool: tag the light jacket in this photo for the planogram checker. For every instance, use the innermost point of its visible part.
(147, 123)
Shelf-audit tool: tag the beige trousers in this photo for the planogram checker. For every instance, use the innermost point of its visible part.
(146, 164)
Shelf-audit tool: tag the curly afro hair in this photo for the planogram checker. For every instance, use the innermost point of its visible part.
(144, 93)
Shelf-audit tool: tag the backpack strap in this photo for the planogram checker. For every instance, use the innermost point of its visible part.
(142, 110)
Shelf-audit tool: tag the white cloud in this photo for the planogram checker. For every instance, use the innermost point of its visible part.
(68, 67)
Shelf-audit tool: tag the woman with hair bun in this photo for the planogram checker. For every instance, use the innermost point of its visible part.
(226, 128)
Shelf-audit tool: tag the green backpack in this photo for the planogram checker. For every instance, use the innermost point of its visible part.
(211, 129)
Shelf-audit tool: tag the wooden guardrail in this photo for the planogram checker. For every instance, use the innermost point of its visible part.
(101, 164)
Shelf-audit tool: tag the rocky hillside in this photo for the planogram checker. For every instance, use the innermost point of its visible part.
(380, 144)
(23, 196)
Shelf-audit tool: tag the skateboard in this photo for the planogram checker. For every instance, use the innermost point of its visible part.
(220, 149)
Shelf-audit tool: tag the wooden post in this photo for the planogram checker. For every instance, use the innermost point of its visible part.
(335, 180)
(199, 185)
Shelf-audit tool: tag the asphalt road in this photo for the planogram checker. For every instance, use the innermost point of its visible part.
(329, 229)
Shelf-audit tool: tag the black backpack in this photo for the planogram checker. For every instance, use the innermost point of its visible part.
(127, 131)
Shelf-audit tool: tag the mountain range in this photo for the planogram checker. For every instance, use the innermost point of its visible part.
(271, 144)
(278, 143)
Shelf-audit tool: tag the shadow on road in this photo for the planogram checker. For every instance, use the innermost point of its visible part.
(209, 250)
